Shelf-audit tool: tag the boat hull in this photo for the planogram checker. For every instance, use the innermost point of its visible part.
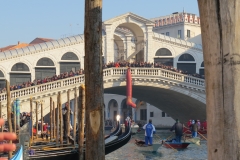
(176, 145)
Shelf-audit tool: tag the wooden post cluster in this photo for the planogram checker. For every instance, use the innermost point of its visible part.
(220, 28)
(9, 110)
(81, 120)
(94, 80)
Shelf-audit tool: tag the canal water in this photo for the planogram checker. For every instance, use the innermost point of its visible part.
(132, 152)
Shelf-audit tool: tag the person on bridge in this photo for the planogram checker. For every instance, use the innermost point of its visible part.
(149, 131)
(178, 128)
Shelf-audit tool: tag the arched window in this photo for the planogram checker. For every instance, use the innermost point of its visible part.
(1, 74)
(69, 56)
(20, 67)
(163, 52)
(186, 57)
(45, 62)
(202, 65)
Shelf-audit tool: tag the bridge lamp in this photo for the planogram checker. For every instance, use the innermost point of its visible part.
(118, 117)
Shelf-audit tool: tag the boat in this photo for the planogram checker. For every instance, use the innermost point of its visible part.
(18, 155)
(71, 152)
(188, 131)
(176, 145)
(195, 140)
(153, 148)
(134, 128)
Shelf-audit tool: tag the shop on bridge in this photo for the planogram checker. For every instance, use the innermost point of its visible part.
(186, 62)
(69, 62)
(201, 69)
(19, 74)
(44, 68)
(2, 80)
(164, 56)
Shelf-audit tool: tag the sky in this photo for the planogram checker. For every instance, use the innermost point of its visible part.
(27, 19)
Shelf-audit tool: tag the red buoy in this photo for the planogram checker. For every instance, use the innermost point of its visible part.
(129, 89)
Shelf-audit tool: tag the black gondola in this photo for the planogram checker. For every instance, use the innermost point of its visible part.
(70, 153)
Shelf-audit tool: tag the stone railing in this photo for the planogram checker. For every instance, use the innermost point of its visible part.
(137, 73)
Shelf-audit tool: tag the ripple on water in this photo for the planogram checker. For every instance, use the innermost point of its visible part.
(132, 152)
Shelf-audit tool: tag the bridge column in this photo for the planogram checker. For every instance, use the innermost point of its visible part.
(128, 49)
(148, 55)
(109, 44)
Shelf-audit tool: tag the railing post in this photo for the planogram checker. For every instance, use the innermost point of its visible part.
(111, 71)
(159, 72)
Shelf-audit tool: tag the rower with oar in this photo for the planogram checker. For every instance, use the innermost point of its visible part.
(178, 128)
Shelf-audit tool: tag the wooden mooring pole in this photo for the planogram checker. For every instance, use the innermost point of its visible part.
(51, 123)
(60, 118)
(75, 115)
(67, 120)
(81, 120)
(41, 118)
(31, 118)
(9, 110)
(57, 120)
(54, 120)
(94, 80)
(36, 119)
(220, 28)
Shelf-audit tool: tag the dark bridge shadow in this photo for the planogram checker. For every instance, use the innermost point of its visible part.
(175, 104)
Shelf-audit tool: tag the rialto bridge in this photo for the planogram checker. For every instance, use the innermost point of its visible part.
(127, 37)
(178, 95)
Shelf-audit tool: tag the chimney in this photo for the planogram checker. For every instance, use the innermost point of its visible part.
(18, 42)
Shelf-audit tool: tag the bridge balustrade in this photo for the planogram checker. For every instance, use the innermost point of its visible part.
(110, 72)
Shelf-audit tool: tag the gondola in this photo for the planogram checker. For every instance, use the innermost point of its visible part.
(176, 145)
(71, 153)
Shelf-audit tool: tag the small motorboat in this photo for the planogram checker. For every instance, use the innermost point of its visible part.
(176, 145)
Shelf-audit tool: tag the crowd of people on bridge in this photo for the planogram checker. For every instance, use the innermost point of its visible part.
(150, 65)
(108, 65)
(45, 80)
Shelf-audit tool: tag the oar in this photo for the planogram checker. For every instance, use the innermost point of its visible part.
(202, 136)
(170, 136)
(167, 143)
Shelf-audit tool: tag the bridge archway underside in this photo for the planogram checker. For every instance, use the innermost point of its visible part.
(175, 104)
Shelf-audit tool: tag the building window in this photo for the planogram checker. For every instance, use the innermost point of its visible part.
(167, 34)
(143, 114)
(163, 114)
(151, 114)
(163, 33)
(188, 33)
(179, 34)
